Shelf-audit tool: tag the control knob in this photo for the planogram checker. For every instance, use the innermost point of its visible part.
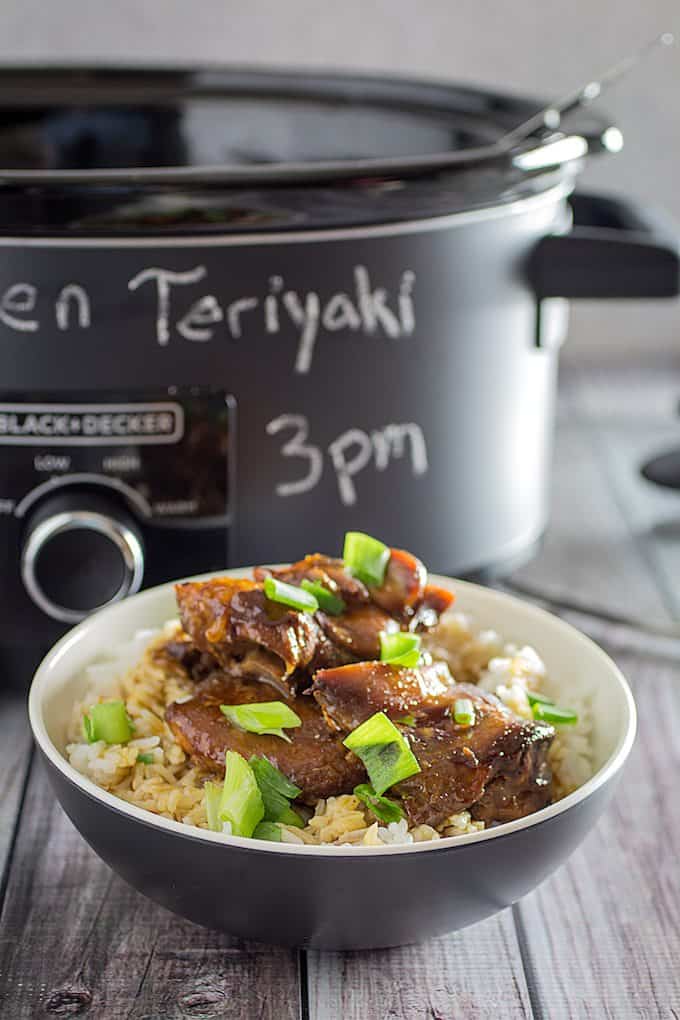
(82, 550)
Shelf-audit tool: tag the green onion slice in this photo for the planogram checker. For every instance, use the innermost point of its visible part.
(406, 720)
(329, 602)
(268, 831)
(213, 795)
(290, 817)
(108, 721)
(263, 717)
(464, 712)
(408, 660)
(539, 699)
(277, 791)
(145, 759)
(267, 773)
(366, 557)
(400, 648)
(545, 709)
(554, 714)
(289, 595)
(241, 800)
(384, 751)
(383, 808)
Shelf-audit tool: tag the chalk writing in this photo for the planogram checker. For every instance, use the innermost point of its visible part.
(20, 297)
(297, 446)
(180, 312)
(352, 452)
(367, 310)
(164, 280)
(72, 293)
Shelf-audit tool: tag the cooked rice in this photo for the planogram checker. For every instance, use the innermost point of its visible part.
(509, 671)
(172, 786)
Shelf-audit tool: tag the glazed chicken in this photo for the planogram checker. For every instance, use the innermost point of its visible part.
(496, 768)
(404, 594)
(314, 760)
(249, 635)
(238, 644)
(232, 620)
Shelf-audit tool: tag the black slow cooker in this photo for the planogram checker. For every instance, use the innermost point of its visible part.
(242, 312)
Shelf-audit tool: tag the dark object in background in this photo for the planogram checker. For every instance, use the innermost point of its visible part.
(370, 280)
(663, 470)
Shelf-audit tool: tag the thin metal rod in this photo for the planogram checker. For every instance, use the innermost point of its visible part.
(551, 116)
(561, 602)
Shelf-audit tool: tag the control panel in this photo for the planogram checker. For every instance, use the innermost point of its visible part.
(101, 496)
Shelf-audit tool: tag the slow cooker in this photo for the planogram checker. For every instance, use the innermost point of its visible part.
(242, 312)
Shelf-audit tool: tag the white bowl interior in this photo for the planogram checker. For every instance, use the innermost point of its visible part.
(577, 667)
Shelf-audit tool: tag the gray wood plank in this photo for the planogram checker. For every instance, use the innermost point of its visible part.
(474, 974)
(652, 513)
(15, 754)
(627, 392)
(601, 938)
(588, 554)
(603, 934)
(75, 939)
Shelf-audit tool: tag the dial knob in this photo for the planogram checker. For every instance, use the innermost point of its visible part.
(82, 550)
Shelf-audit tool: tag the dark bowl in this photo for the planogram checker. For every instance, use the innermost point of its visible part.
(336, 897)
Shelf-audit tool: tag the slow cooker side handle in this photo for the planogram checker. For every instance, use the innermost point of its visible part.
(615, 249)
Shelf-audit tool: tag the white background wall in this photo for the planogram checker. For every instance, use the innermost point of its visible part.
(541, 46)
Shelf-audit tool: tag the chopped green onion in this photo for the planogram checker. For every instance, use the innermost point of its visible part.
(535, 698)
(464, 712)
(268, 831)
(400, 649)
(366, 557)
(408, 660)
(241, 800)
(384, 809)
(290, 817)
(329, 602)
(289, 595)
(277, 791)
(554, 714)
(108, 721)
(213, 796)
(384, 751)
(406, 720)
(145, 759)
(267, 773)
(263, 717)
(545, 709)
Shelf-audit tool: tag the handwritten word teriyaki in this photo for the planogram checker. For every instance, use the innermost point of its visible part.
(368, 310)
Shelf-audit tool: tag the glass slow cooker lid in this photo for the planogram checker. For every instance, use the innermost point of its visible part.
(59, 125)
(124, 151)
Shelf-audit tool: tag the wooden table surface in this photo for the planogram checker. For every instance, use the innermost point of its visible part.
(601, 938)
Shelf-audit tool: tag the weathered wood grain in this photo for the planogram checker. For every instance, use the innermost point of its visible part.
(632, 392)
(77, 941)
(652, 513)
(601, 938)
(473, 974)
(15, 755)
(588, 553)
(603, 935)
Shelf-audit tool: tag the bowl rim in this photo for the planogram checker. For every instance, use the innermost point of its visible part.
(41, 682)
